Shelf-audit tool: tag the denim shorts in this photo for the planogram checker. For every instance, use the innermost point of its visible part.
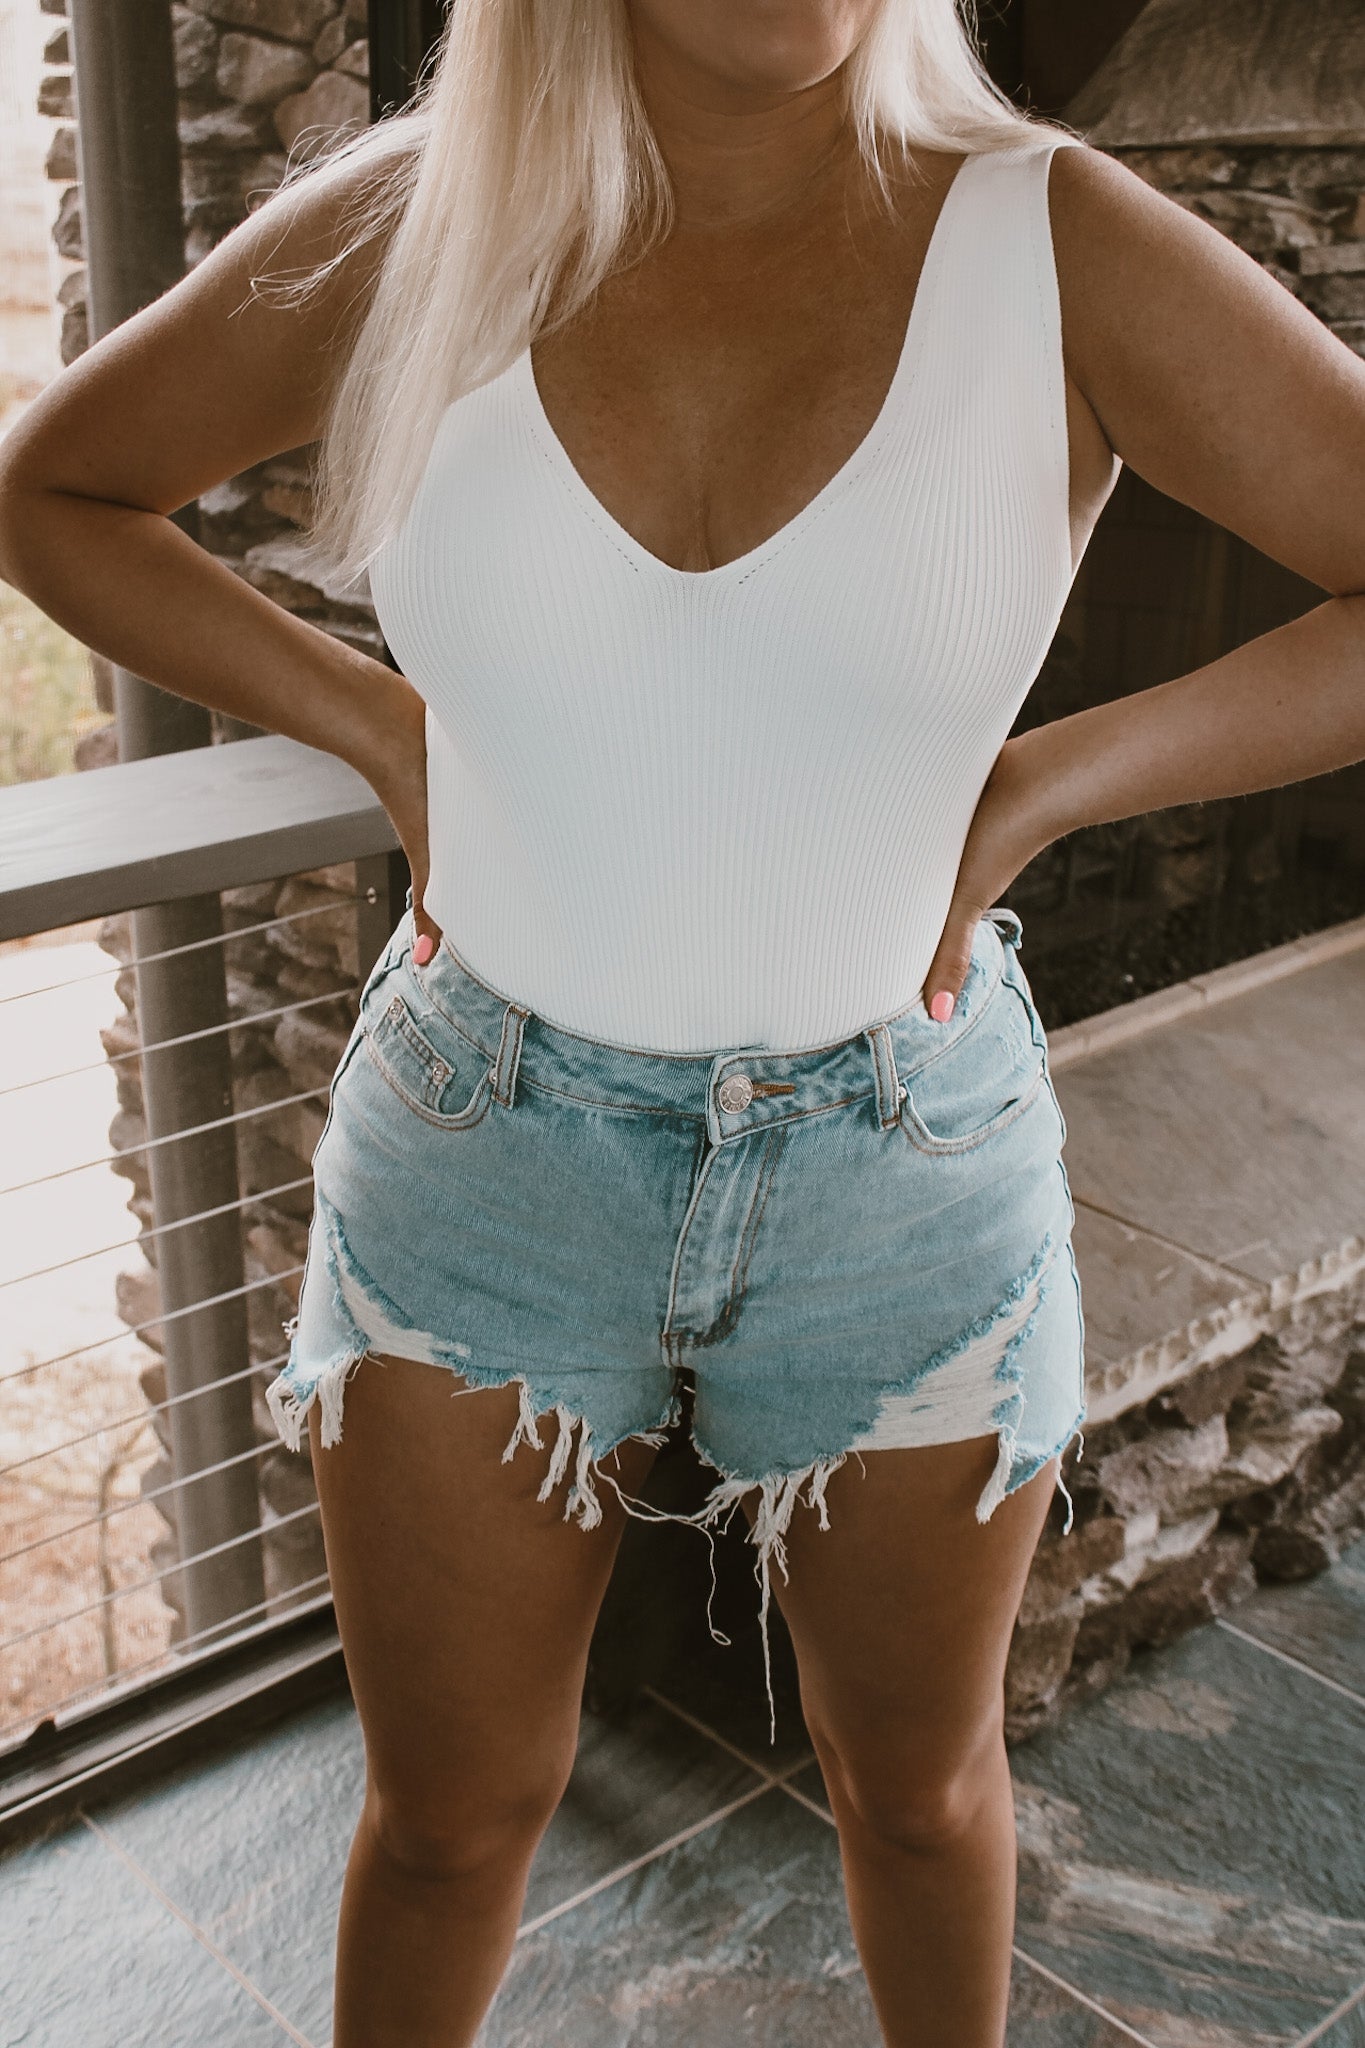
(849, 1247)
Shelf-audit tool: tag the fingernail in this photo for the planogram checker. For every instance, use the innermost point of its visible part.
(423, 949)
(941, 1008)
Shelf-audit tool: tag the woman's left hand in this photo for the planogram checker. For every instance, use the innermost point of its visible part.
(1006, 832)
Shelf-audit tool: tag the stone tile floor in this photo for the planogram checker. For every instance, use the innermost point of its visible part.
(1192, 1871)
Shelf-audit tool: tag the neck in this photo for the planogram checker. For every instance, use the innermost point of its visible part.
(738, 155)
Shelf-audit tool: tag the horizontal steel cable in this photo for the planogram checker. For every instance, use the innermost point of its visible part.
(69, 1443)
(245, 931)
(171, 1315)
(245, 1022)
(118, 1681)
(134, 1243)
(238, 1116)
(181, 1564)
(140, 1500)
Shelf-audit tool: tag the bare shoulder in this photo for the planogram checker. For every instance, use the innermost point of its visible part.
(308, 227)
(1207, 376)
(232, 365)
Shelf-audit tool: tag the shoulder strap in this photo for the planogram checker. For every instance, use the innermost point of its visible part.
(994, 362)
(1051, 367)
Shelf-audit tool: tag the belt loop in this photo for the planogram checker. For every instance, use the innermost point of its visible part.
(888, 1082)
(1012, 930)
(509, 1053)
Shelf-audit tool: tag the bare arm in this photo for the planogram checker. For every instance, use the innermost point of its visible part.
(1212, 382)
(198, 386)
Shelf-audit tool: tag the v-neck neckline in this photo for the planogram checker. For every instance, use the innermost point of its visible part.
(740, 565)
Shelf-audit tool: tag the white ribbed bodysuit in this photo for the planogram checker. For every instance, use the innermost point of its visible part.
(691, 809)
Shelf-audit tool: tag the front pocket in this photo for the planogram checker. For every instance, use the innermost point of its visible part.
(434, 1070)
(978, 1085)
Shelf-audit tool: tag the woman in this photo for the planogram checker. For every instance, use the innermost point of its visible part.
(721, 396)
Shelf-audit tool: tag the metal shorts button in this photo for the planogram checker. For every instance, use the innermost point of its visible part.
(736, 1091)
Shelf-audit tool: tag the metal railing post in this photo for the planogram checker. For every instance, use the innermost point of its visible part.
(128, 154)
(382, 887)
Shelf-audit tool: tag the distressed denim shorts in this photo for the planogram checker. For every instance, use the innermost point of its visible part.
(850, 1247)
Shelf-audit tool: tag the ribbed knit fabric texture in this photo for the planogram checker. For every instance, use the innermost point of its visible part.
(693, 810)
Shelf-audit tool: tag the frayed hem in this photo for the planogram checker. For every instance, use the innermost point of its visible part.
(1009, 1373)
(289, 1408)
(1026, 1468)
(293, 1392)
(779, 1494)
(1012, 1470)
(582, 1502)
(290, 1396)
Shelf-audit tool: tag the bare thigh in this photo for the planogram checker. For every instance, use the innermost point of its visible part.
(901, 1614)
(465, 1605)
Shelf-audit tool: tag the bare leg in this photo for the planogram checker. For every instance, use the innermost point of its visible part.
(466, 1608)
(901, 1614)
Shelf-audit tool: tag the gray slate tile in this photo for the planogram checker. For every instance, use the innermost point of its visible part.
(738, 1935)
(280, 1814)
(252, 1845)
(811, 1782)
(90, 1958)
(1042, 2014)
(1192, 1847)
(1348, 2031)
(638, 1780)
(1321, 1620)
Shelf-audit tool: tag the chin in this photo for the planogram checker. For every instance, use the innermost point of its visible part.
(781, 46)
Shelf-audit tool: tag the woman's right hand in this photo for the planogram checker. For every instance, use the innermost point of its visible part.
(395, 766)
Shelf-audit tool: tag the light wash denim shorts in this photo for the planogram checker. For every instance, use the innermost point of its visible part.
(851, 1247)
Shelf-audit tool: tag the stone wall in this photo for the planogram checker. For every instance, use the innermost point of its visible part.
(1251, 1468)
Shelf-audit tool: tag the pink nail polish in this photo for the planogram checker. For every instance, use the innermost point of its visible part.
(423, 949)
(941, 1008)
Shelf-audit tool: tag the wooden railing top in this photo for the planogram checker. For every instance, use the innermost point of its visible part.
(110, 839)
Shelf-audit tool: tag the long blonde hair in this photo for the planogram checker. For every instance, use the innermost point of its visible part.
(525, 165)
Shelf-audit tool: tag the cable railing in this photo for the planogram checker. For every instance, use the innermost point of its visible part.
(156, 1230)
(119, 966)
(156, 1322)
(144, 1414)
(122, 1507)
(157, 1122)
(140, 1585)
(199, 1130)
(115, 1059)
(148, 1667)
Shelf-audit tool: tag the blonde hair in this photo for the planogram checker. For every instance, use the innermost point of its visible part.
(525, 166)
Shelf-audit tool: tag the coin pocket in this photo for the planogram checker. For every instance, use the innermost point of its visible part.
(436, 1072)
(979, 1084)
